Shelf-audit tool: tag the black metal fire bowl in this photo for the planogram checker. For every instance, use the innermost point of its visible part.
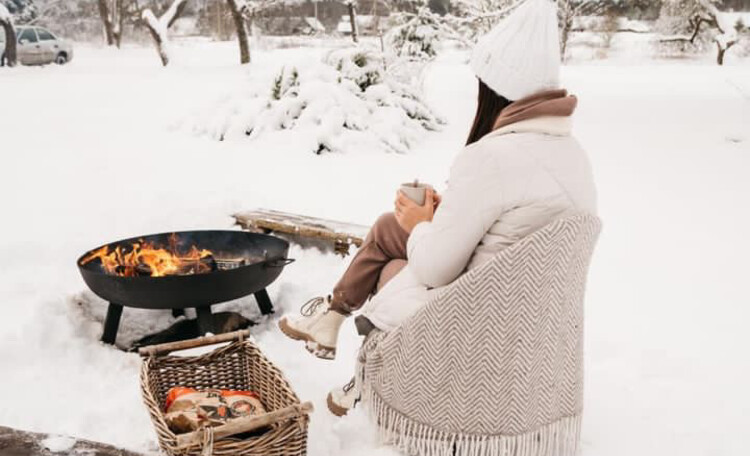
(267, 255)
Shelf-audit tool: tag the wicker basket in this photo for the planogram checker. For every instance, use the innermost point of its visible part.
(238, 366)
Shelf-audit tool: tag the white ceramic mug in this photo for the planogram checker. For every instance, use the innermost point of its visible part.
(415, 191)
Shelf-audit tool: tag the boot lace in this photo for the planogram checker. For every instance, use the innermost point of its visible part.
(309, 308)
(348, 387)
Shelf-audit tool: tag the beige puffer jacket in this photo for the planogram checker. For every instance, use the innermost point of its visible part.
(509, 184)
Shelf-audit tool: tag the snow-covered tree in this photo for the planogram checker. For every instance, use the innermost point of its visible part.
(681, 22)
(416, 36)
(248, 10)
(440, 7)
(474, 18)
(351, 8)
(48, 10)
(112, 14)
(12, 13)
(8, 55)
(569, 10)
(237, 8)
(158, 27)
(23, 11)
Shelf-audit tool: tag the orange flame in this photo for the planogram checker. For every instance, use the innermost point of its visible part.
(145, 258)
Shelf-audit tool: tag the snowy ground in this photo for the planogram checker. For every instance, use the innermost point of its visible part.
(98, 150)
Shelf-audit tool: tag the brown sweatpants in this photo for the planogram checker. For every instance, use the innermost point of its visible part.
(381, 256)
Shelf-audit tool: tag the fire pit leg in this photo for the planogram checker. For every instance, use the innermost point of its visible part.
(264, 302)
(205, 320)
(111, 323)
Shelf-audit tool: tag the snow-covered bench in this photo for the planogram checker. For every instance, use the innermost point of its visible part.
(304, 230)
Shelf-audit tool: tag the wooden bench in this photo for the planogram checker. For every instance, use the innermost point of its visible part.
(304, 230)
(15, 442)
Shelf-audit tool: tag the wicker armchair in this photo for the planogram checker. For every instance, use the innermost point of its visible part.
(494, 364)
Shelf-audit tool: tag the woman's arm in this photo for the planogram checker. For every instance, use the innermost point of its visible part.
(438, 251)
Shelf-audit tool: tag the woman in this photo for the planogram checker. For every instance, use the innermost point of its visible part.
(519, 171)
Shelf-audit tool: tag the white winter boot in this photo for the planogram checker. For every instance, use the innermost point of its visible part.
(341, 400)
(318, 326)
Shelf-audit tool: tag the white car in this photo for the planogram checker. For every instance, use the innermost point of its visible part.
(38, 46)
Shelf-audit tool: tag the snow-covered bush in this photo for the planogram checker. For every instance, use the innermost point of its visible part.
(364, 67)
(346, 103)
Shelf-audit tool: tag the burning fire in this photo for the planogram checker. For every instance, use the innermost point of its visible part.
(148, 259)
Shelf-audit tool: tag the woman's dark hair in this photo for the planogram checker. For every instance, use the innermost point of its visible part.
(489, 106)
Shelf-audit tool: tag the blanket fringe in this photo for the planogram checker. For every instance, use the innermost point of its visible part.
(559, 438)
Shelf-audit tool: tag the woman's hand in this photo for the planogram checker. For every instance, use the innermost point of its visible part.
(409, 213)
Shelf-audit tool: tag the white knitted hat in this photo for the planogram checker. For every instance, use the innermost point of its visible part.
(521, 55)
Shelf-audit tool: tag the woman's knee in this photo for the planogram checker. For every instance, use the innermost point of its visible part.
(387, 219)
(384, 224)
(388, 235)
(390, 271)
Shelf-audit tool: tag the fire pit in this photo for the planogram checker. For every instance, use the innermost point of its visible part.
(179, 270)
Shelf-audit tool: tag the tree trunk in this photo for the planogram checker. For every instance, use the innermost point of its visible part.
(10, 53)
(566, 23)
(120, 9)
(722, 51)
(181, 4)
(159, 43)
(353, 20)
(107, 21)
(239, 24)
(159, 27)
(564, 36)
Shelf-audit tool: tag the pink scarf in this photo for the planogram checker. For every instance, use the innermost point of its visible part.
(556, 103)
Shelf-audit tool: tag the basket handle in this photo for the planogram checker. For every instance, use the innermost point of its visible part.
(162, 349)
(245, 424)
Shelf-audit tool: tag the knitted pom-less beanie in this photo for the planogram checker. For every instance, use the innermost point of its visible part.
(521, 55)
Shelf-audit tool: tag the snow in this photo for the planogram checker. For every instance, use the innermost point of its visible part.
(728, 34)
(345, 102)
(159, 25)
(4, 14)
(633, 25)
(599, 24)
(734, 17)
(58, 443)
(96, 151)
(169, 15)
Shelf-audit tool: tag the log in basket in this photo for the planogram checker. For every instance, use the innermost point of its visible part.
(237, 366)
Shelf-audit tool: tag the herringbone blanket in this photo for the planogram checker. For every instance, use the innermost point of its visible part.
(494, 364)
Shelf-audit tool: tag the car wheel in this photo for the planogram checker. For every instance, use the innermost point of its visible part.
(61, 59)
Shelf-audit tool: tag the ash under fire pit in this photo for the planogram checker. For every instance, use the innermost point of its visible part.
(179, 270)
